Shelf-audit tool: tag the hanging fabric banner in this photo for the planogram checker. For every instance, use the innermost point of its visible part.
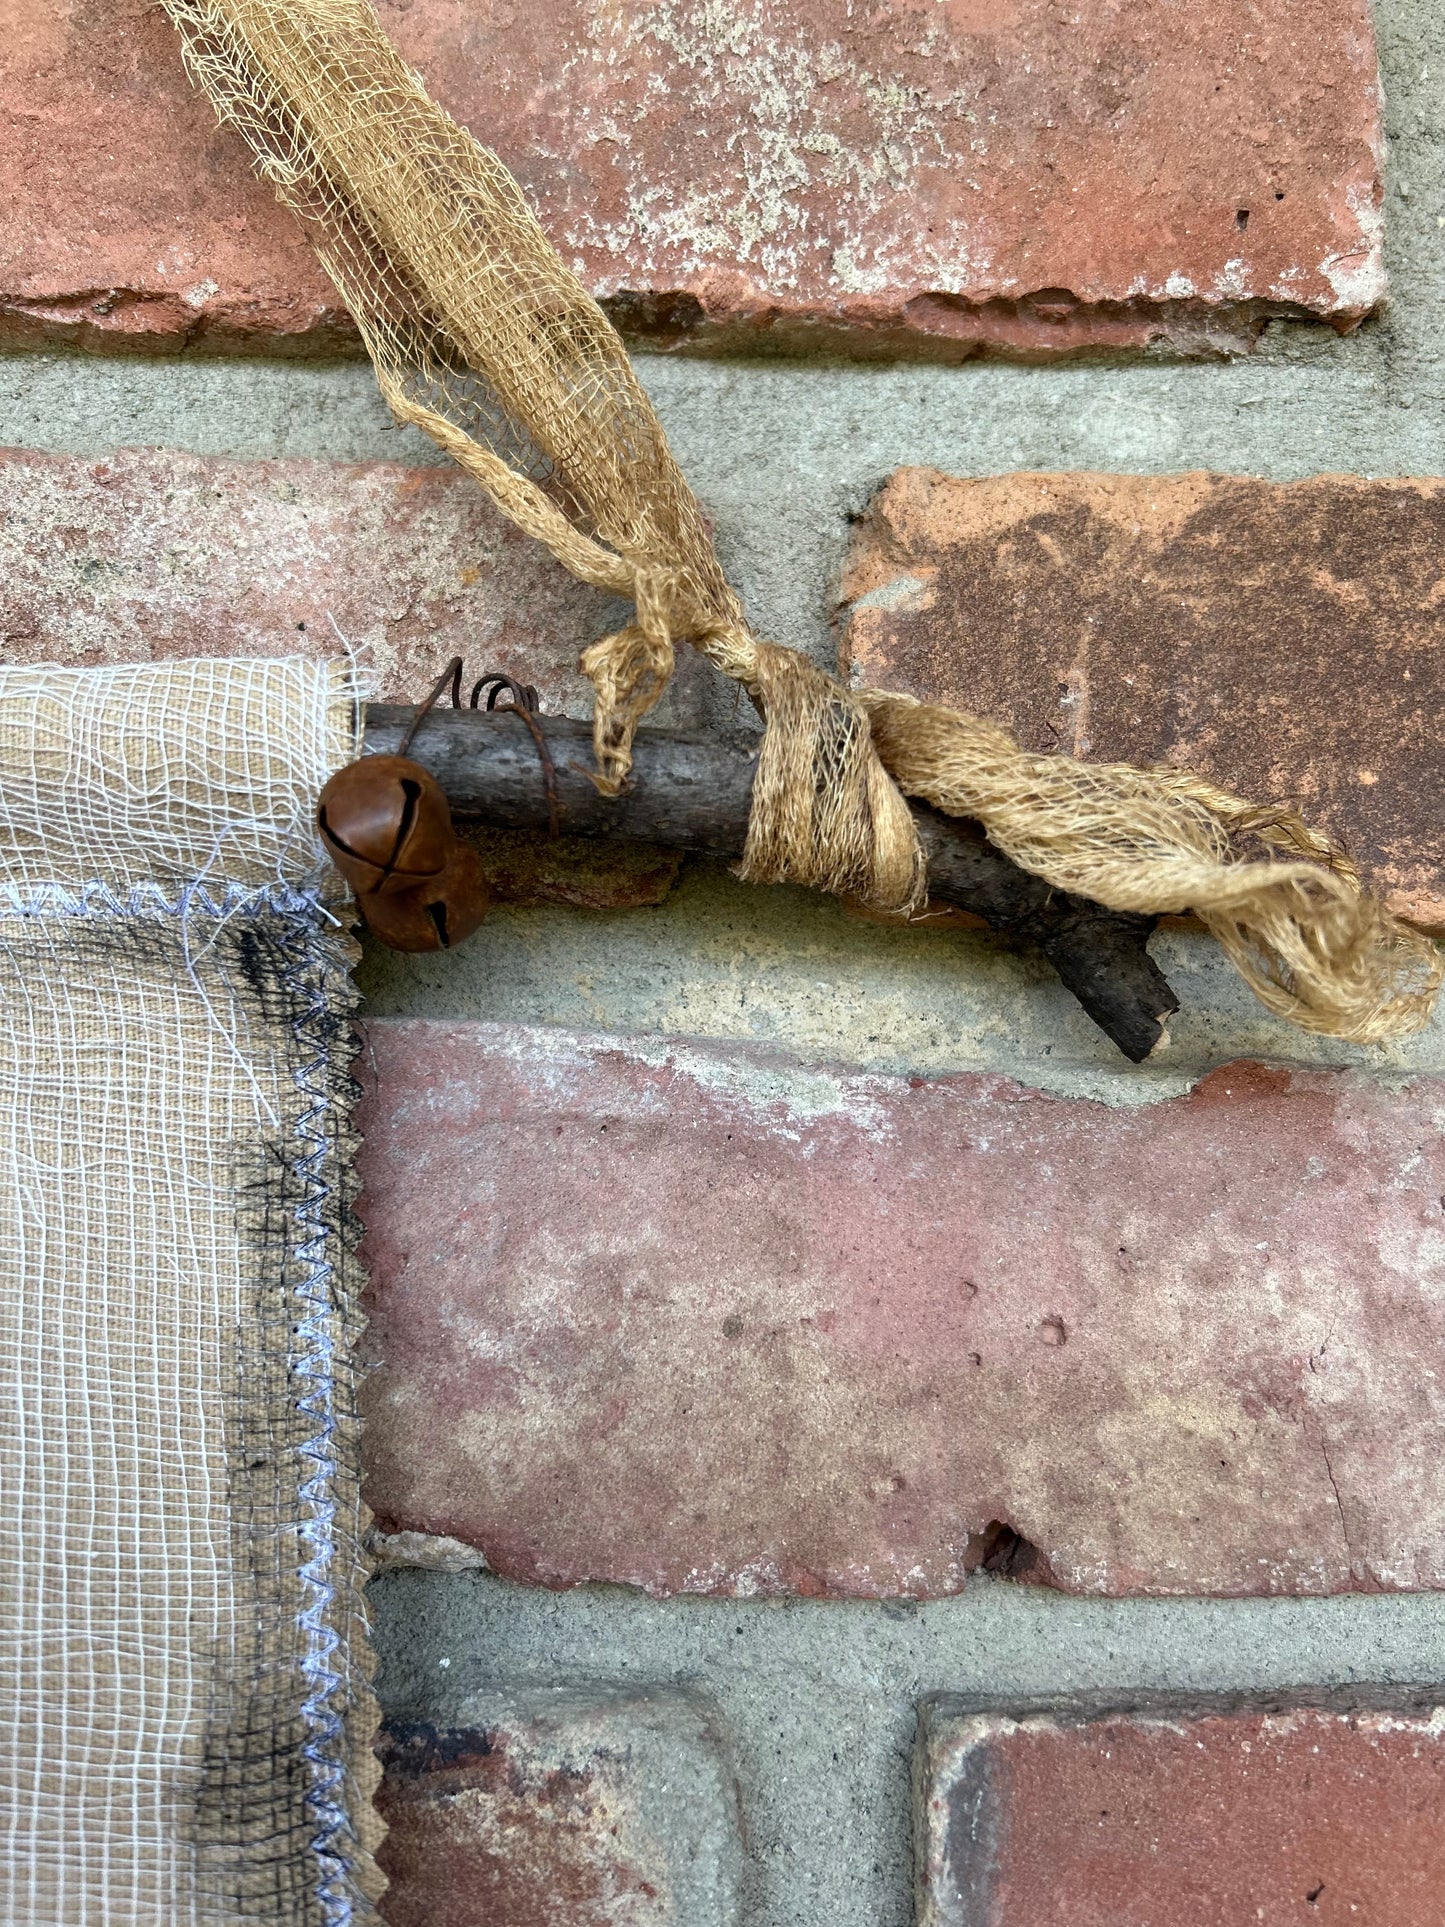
(185, 1688)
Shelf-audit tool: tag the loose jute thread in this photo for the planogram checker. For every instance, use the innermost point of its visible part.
(482, 337)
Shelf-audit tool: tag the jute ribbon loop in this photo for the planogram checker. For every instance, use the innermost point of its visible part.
(483, 338)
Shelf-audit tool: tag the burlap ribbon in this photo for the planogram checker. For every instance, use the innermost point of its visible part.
(482, 337)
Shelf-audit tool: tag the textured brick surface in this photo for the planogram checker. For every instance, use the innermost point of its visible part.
(559, 1809)
(150, 553)
(690, 1318)
(1286, 640)
(141, 225)
(1197, 1818)
(1005, 174)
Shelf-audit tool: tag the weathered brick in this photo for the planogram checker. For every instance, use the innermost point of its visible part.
(562, 1809)
(141, 225)
(1287, 640)
(1222, 1817)
(150, 553)
(696, 1319)
(987, 174)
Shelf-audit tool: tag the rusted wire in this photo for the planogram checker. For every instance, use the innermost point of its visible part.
(524, 703)
(451, 674)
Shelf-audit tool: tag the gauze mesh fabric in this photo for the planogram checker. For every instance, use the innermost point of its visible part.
(185, 1676)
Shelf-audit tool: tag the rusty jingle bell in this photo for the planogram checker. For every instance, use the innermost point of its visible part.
(387, 827)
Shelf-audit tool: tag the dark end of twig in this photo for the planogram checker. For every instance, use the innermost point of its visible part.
(1101, 956)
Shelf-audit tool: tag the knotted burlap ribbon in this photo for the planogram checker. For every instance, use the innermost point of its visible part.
(482, 337)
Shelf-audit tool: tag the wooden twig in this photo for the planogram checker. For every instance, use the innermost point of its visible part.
(695, 794)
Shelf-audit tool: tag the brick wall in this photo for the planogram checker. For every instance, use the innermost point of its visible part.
(845, 1445)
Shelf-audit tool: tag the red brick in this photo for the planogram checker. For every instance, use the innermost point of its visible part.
(694, 1319)
(140, 224)
(1287, 640)
(558, 1809)
(150, 553)
(986, 174)
(1200, 1818)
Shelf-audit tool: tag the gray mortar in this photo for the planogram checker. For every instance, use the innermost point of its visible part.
(783, 452)
(782, 967)
(820, 1697)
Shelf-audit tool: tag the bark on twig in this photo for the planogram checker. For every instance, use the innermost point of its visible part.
(695, 794)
